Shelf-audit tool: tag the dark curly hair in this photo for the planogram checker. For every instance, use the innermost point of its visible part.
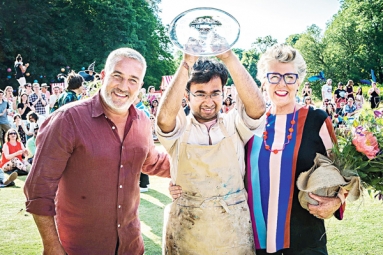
(206, 69)
(74, 80)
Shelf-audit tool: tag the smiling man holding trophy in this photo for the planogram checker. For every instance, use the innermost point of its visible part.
(207, 147)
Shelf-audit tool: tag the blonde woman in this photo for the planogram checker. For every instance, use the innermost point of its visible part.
(12, 101)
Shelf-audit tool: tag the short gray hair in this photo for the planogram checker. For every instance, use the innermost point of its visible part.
(281, 53)
(121, 53)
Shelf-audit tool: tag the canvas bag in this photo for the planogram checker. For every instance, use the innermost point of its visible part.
(324, 179)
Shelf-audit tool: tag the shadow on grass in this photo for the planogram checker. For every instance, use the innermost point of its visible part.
(19, 178)
(151, 216)
(160, 196)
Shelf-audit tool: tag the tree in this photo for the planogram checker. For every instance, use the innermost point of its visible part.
(74, 33)
(262, 43)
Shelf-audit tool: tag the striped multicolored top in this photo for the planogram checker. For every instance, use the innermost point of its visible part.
(271, 177)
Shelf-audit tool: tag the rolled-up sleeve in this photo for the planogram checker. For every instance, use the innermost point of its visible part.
(168, 139)
(156, 163)
(54, 145)
(243, 122)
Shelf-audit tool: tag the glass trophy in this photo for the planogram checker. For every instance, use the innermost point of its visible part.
(204, 31)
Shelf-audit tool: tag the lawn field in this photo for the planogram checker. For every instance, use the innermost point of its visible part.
(360, 233)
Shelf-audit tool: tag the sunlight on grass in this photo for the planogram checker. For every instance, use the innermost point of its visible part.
(360, 232)
(147, 231)
(152, 200)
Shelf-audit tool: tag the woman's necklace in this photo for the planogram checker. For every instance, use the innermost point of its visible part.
(289, 136)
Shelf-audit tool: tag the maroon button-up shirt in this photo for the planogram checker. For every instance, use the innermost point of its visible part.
(88, 178)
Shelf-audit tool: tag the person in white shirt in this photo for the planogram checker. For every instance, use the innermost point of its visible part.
(35, 121)
(53, 98)
(327, 90)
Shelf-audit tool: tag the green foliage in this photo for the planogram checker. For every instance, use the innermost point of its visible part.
(350, 47)
(354, 161)
(59, 33)
(262, 43)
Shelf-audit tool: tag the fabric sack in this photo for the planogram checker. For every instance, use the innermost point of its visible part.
(325, 179)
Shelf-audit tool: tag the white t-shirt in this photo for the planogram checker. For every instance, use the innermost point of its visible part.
(327, 92)
(52, 100)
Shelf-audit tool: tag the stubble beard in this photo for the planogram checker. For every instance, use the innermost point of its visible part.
(107, 98)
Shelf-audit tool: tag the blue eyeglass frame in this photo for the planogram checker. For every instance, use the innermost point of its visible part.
(283, 76)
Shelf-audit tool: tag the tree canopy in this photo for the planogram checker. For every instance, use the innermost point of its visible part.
(351, 45)
(71, 34)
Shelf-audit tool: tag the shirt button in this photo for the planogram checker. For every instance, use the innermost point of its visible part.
(120, 186)
(121, 166)
(113, 127)
(118, 225)
(119, 206)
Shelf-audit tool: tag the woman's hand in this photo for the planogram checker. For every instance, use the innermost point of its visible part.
(326, 207)
(175, 190)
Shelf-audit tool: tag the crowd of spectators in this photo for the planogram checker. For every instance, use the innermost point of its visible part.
(344, 101)
(22, 112)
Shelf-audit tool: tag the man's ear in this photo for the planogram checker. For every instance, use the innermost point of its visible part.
(102, 74)
(186, 95)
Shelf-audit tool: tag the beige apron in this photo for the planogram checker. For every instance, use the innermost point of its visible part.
(212, 215)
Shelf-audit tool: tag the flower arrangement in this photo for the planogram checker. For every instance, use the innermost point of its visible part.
(360, 149)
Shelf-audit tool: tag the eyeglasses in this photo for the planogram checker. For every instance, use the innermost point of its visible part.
(12, 133)
(202, 96)
(275, 78)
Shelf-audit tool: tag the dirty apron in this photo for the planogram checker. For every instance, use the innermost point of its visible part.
(212, 215)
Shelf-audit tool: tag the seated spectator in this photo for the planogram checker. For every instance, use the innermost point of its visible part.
(330, 110)
(349, 109)
(31, 145)
(227, 105)
(34, 120)
(154, 107)
(340, 102)
(13, 152)
(19, 125)
(7, 182)
(309, 102)
(325, 103)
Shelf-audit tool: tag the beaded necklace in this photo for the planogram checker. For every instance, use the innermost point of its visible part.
(289, 136)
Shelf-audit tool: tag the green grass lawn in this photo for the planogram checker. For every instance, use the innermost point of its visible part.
(359, 233)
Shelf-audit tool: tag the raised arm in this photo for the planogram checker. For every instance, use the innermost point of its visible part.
(171, 100)
(246, 87)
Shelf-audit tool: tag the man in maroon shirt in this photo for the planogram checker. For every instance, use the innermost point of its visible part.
(83, 187)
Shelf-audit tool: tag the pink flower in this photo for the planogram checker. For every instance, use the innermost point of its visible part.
(367, 144)
(378, 114)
